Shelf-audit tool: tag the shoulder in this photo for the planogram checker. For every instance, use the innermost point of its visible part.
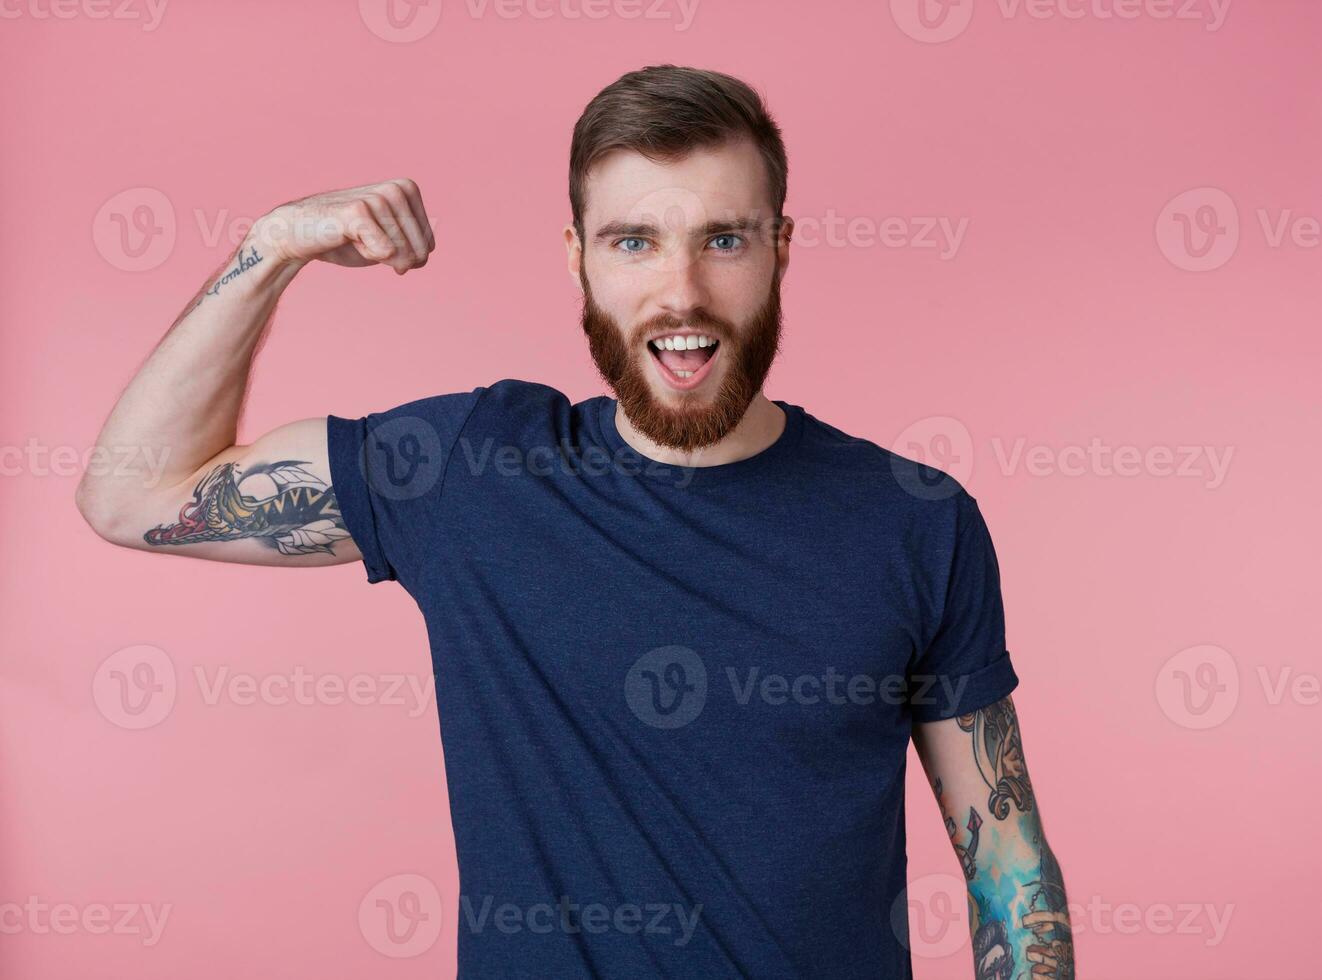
(864, 453)
(887, 479)
(434, 422)
(517, 395)
(514, 407)
(509, 399)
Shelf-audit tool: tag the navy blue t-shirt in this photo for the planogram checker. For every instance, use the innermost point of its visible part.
(675, 701)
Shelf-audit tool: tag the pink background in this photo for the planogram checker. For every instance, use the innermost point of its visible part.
(1071, 311)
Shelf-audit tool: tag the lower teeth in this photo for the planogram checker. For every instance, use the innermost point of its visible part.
(683, 374)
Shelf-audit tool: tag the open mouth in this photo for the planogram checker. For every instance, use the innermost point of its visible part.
(684, 359)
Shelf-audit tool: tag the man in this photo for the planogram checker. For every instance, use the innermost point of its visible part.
(682, 636)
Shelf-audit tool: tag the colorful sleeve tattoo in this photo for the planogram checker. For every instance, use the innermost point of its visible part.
(1018, 915)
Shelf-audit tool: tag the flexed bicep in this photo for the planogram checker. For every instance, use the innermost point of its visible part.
(268, 503)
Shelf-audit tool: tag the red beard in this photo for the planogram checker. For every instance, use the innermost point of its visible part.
(696, 423)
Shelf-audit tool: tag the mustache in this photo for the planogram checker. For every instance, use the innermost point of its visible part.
(723, 330)
(714, 326)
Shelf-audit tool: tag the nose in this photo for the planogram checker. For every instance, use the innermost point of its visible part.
(682, 288)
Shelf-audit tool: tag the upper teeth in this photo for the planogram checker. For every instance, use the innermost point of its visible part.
(683, 342)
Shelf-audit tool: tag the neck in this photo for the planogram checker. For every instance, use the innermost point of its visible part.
(761, 425)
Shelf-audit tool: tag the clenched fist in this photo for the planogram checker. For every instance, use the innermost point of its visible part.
(376, 224)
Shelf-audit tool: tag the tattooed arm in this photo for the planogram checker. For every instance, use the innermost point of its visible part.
(1018, 915)
(268, 502)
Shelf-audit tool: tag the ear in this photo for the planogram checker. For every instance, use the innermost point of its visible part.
(574, 254)
(783, 237)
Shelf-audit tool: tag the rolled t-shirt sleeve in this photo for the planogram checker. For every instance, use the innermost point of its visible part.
(388, 472)
(966, 665)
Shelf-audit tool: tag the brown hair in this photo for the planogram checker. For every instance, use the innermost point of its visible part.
(664, 112)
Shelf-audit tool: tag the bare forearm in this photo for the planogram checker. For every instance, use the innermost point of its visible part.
(183, 404)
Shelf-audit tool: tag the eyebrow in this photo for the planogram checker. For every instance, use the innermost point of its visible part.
(625, 229)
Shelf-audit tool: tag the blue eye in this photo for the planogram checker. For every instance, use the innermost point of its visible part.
(723, 243)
